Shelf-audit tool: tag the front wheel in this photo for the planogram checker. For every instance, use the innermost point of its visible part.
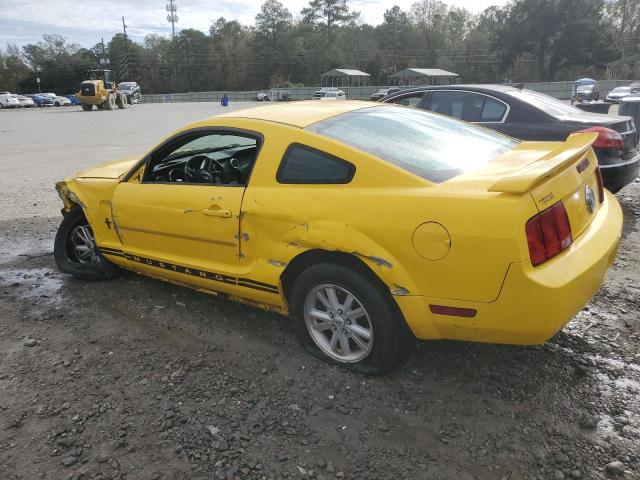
(110, 102)
(75, 249)
(87, 107)
(342, 317)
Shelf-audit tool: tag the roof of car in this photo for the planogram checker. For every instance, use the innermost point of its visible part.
(299, 114)
(480, 87)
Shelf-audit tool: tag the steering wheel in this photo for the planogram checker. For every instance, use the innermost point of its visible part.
(204, 169)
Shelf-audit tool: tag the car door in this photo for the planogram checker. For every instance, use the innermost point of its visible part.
(190, 226)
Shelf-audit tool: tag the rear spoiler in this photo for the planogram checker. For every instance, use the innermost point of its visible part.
(573, 149)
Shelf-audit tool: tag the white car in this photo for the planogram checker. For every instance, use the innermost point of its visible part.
(619, 93)
(339, 95)
(9, 101)
(58, 101)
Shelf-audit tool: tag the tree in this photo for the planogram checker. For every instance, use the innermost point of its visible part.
(557, 33)
(624, 18)
(272, 23)
(328, 15)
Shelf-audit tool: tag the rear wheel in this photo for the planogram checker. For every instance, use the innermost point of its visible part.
(121, 101)
(75, 250)
(342, 317)
(86, 107)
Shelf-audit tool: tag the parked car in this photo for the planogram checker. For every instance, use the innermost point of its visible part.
(324, 90)
(25, 102)
(530, 115)
(618, 93)
(339, 95)
(282, 95)
(586, 93)
(73, 99)
(263, 96)
(132, 91)
(585, 90)
(9, 101)
(383, 92)
(630, 107)
(497, 241)
(58, 101)
(42, 100)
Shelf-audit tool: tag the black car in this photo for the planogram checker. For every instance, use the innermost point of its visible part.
(383, 92)
(132, 91)
(530, 115)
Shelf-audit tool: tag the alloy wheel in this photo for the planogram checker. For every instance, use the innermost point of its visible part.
(338, 323)
(83, 245)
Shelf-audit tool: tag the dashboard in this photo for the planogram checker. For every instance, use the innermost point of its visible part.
(231, 166)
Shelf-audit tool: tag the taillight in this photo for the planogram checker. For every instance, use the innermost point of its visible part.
(607, 138)
(548, 233)
(600, 184)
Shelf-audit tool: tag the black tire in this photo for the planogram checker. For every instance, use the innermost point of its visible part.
(110, 102)
(121, 101)
(388, 332)
(86, 107)
(67, 260)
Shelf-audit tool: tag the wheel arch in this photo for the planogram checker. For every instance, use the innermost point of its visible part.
(316, 255)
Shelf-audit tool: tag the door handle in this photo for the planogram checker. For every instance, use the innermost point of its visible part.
(216, 213)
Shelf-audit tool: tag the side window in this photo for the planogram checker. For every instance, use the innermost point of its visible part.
(411, 100)
(214, 158)
(493, 110)
(467, 106)
(463, 105)
(302, 164)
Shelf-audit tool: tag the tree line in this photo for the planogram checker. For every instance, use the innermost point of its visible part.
(525, 40)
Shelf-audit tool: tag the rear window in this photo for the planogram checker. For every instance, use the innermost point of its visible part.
(433, 147)
(543, 102)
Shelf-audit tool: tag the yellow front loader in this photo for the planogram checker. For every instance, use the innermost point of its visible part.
(100, 91)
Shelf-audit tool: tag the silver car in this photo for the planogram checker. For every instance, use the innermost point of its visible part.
(58, 101)
(619, 93)
(25, 102)
(9, 101)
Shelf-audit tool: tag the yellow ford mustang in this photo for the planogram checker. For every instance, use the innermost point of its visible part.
(363, 221)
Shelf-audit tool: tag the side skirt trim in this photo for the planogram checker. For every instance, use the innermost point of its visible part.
(213, 276)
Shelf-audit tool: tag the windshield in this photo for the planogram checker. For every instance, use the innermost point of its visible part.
(585, 88)
(125, 86)
(544, 102)
(431, 146)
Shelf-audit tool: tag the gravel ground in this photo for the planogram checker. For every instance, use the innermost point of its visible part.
(138, 379)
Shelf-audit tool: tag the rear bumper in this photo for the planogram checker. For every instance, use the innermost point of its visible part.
(619, 175)
(535, 302)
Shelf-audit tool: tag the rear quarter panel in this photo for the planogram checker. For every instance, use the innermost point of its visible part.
(374, 218)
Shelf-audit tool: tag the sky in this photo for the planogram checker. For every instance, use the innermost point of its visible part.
(86, 21)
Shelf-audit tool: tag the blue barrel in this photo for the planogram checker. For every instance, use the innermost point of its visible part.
(225, 101)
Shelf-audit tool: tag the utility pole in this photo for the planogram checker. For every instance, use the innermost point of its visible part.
(172, 17)
(126, 49)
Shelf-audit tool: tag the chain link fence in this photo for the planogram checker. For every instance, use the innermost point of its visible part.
(560, 90)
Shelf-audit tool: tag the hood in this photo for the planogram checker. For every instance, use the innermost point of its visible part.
(112, 170)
